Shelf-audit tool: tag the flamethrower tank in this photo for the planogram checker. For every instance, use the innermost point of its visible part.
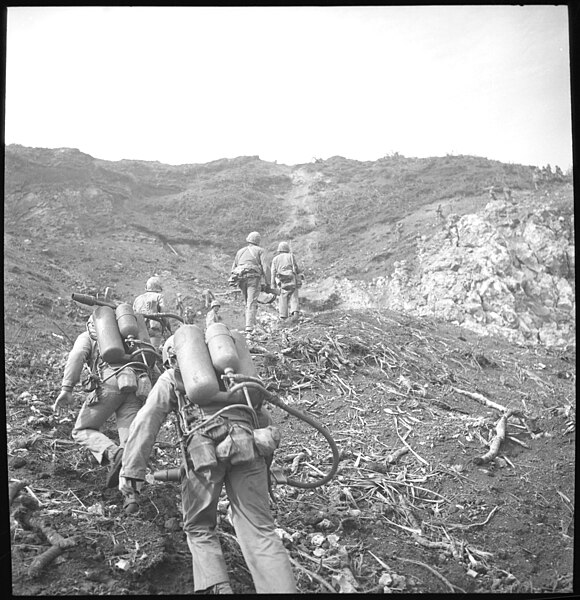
(199, 377)
(247, 366)
(108, 335)
(222, 348)
(127, 321)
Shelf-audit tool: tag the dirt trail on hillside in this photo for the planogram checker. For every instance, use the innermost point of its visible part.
(301, 226)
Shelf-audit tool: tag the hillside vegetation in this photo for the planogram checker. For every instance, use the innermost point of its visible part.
(413, 350)
(341, 217)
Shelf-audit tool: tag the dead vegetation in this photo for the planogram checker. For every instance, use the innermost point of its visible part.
(439, 455)
(457, 452)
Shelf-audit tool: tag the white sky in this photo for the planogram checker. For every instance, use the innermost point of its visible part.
(191, 85)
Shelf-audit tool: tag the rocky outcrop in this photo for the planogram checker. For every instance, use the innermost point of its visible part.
(508, 270)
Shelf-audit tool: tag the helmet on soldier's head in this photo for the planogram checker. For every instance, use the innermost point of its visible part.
(168, 353)
(214, 304)
(153, 285)
(254, 238)
(283, 247)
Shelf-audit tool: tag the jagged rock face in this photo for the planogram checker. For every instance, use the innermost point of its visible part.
(507, 270)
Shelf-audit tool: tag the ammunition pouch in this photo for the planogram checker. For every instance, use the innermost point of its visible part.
(266, 440)
(202, 444)
(235, 443)
(286, 279)
(89, 381)
(238, 445)
(143, 386)
(241, 273)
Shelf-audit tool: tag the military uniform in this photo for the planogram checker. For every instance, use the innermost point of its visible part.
(150, 303)
(247, 488)
(101, 403)
(212, 317)
(254, 257)
(286, 263)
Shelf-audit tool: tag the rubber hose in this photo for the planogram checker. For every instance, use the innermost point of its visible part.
(276, 401)
(117, 371)
(146, 350)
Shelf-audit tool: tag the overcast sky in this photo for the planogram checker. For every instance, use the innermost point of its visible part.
(191, 85)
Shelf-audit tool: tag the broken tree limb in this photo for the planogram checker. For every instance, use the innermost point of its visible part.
(480, 398)
(404, 442)
(462, 526)
(27, 504)
(513, 439)
(40, 562)
(58, 545)
(312, 575)
(390, 459)
(450, 585)
(495, 444)
(173, 249)
(394, 457)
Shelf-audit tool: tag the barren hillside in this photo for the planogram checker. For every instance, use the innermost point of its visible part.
(405, 352)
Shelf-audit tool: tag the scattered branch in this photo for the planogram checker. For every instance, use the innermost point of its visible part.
(450, 585)
(480, 398)
(495, 444)
(313, 575)
(409, 447)
(394, 457)
(23, 515)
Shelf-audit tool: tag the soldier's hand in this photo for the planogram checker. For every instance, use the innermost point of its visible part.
(62, 402)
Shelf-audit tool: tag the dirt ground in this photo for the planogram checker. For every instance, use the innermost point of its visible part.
(435, 519)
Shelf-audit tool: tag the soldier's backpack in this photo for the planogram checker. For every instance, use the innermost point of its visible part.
(286, 277)
(240, 273)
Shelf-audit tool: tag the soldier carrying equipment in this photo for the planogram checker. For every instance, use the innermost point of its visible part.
(226, 437)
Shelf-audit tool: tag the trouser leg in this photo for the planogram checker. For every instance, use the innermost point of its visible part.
(264, 553)
(125, 415)
(244, 289)
(98, 407)
(283, 304)
(294, 301)
(200, 494)
(155, 334)
(252, 293)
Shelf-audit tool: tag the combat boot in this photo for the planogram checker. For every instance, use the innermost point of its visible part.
(131, 503)
(116, 461)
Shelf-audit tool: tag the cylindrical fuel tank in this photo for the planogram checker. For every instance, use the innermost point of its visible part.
(199, 378)
(108, 335)
(222, 348)
(247, 366)
(127, 321)
(143, 335)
